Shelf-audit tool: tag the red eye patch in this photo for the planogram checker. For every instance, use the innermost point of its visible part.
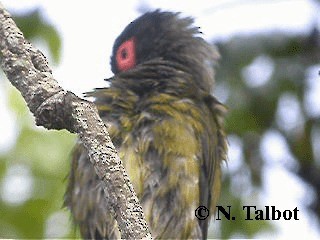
(126, 55)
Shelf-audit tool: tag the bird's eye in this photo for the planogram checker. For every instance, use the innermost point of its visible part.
(126, 55)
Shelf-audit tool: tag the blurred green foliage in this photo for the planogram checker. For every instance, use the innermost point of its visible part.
(46, 155)
(34, 26)
(42, 155)
(253, 111)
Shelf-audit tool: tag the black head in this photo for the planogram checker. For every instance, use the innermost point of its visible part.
(166, 36)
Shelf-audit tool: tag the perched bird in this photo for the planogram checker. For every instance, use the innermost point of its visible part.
(167, 128)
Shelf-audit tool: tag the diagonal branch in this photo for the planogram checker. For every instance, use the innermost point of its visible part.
(54, 108)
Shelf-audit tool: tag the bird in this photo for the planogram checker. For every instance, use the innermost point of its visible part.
(167, 127)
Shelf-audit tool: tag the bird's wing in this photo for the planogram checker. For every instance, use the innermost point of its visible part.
(214, 151)
(85, 199)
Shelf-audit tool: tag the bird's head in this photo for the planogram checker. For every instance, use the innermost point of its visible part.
(165, 36)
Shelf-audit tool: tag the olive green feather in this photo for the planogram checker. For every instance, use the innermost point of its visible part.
(168, 130)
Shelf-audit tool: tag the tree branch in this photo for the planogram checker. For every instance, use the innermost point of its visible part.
(54, 108)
